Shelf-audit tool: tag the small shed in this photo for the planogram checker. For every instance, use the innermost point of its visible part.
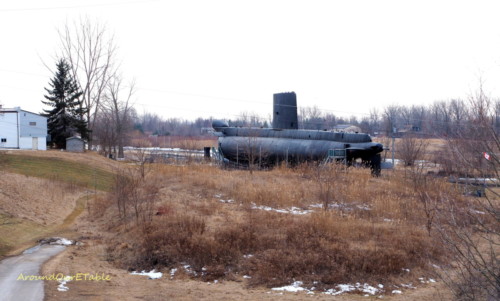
(75, 144)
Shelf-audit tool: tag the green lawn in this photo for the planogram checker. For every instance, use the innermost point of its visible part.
(57, 169)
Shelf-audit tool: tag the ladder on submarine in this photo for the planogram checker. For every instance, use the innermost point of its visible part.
(336, 155)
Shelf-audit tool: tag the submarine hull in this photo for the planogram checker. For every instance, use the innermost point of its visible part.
(284, 142)
(269, 151)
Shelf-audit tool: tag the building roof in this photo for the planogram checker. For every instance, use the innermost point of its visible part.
(17, 110)
(74, 137)
(346, 128)
(342, 126)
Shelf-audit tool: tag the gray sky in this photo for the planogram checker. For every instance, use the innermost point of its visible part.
(195, 58)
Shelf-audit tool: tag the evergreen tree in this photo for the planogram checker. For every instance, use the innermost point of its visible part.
(65, 118)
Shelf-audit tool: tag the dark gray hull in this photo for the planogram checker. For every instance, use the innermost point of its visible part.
(285, 143)
(264, 150)
(293, 134)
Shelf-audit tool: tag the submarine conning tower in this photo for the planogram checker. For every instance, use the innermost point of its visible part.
(285, 111)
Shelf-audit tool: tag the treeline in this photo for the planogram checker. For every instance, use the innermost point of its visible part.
(153, 124)
(440, 119)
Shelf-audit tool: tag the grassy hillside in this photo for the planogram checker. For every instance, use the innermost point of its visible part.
(48, 199)
(58, 169)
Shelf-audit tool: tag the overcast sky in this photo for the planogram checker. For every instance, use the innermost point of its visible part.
(218, 58)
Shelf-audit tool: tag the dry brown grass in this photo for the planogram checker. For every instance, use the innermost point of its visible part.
(434, 144)
(39, 200)
(321, 247)
(371, 230)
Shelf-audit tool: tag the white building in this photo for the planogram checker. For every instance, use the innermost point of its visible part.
(22, 129)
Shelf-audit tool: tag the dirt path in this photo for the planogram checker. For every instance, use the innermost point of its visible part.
(15, 272)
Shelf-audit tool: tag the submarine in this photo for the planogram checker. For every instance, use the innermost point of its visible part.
(284, 142)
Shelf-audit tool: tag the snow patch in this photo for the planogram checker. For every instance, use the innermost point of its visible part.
(56, 241)
(62, 284)
(63, 242)
(343, 207)
(292, 210)
(189, 270)
(397, 292)
(430, 280)
(346, 288)
(364, 207)
(300, 211)
(172, 273)
(339, 289)
(294, 287)
(151, 275)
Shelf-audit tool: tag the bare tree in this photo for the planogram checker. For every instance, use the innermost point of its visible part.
(411, 148)
(405, 114)
(329, 178)
(374, 121)
(471, 231)
(253, 152)
(104, 132)
(311, 118)
(90, 50)
(122, 191)
(135, 194)
(497, 115)
(458, 111)
(418, 114)
(445, 115)
(248, 119)
(391, 115)
(118, 101)
(144, 157)
(428, 191)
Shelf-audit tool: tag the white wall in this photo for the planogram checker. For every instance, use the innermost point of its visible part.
(32, 125)
(9, 130)
(27, 143)
(42, 143)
